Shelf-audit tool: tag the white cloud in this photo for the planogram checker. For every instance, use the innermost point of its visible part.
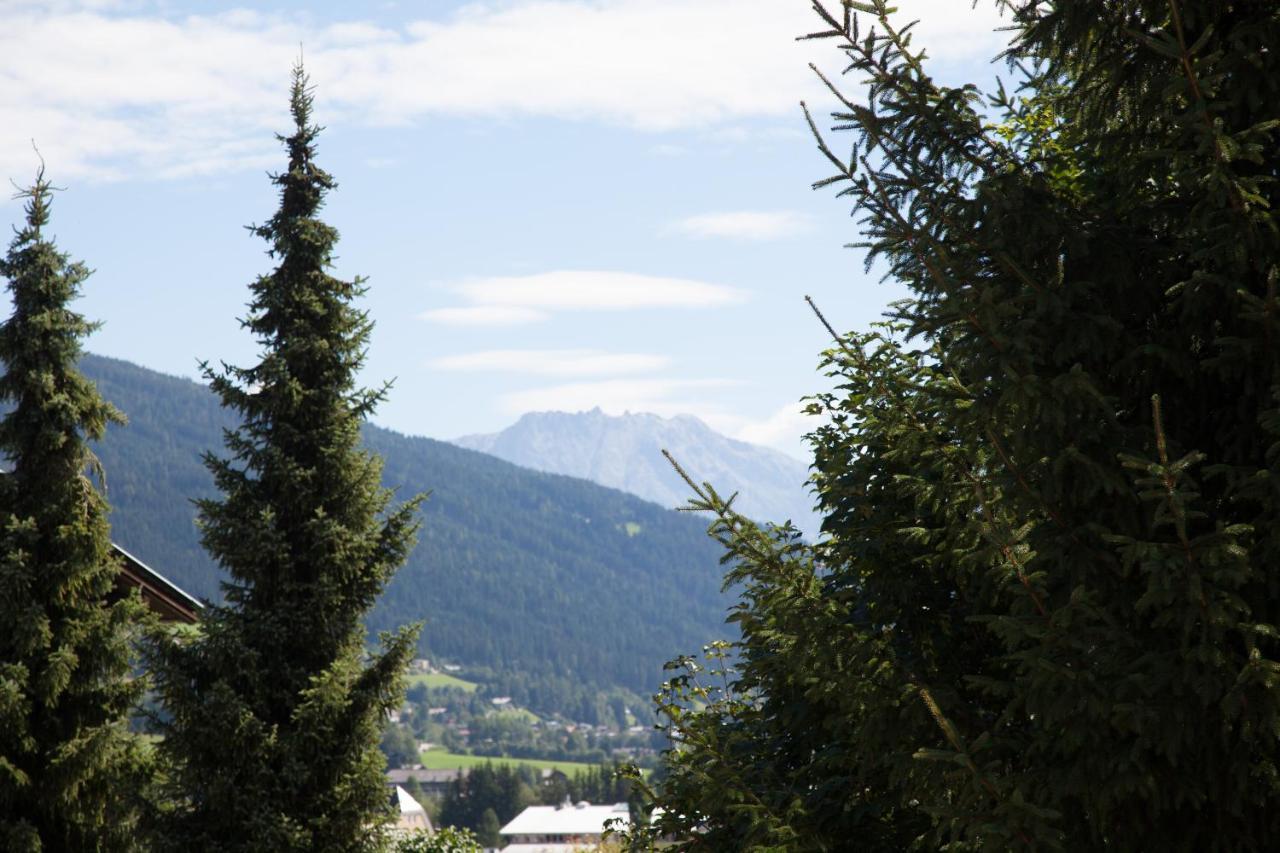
(120, 88)
(571, 362)
(483, 315)
(783, 430)
(744, 224)
(600, 290)
(664, 397)
(507, 300)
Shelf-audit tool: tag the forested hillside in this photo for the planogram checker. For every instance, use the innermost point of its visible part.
(547, 581)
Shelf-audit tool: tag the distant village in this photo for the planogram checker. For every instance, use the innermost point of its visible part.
(556, 775)
(445, 713)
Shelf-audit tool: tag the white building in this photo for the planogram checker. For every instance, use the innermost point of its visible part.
(410, 815)
(565, 828)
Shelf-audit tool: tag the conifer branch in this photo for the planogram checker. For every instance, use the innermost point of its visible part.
(1202, 103)
(1172, 500)
(738, 528)
(952, 735)
(895, 158)
(1004, 543)
(911, 236)
(845, 171)
(1024, 485)
(733, 520)
(867, 60)
(879, 137)
(1269, 311)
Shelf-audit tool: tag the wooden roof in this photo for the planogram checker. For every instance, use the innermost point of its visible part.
(159, 593)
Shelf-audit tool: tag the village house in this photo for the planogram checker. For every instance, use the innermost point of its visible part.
(561, 829)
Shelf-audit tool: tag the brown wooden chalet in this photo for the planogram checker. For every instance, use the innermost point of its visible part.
(159, 593)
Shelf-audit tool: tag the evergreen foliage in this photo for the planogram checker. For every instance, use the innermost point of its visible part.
(1046, 611)
(497, 790)
(276, 712)
(502, 547)
(399, 747)
(601, 785)
(489, 832)
(71, 773)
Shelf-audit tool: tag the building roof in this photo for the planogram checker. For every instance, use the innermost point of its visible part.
(402, 775)
(406, 804)
(410, 815)
(160, 594)
(579, 819)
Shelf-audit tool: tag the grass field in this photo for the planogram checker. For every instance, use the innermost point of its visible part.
(439, 759)
(441, 679)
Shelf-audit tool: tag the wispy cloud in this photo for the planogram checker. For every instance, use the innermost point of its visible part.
(784, 429)
(483, 315)
(509, 300)
(744, 224)
(564, 362)
(114, 89)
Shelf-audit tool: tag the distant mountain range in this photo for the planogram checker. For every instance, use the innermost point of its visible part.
(555, 586)
(625, 452)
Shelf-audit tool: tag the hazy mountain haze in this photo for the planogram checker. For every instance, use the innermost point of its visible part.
(625, 452)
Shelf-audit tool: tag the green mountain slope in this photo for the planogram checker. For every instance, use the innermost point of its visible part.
(537, 577)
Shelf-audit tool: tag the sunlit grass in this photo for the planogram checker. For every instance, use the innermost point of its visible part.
(440, 679)
(439, 759)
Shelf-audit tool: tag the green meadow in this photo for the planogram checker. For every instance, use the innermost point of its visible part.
(440, 679)
(439, 759)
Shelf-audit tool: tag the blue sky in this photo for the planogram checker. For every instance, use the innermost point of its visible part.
(559, 204)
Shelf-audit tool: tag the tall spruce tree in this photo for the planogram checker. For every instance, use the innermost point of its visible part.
(1046, 612)
(71, 772)
(276, 708)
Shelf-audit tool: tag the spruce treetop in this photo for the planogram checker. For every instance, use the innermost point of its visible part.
(40, 346)
(277, 706)
(71, 774)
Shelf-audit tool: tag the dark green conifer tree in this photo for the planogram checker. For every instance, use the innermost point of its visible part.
(276, 707)
(71, 772)
(488, 831)
(1047, 611)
